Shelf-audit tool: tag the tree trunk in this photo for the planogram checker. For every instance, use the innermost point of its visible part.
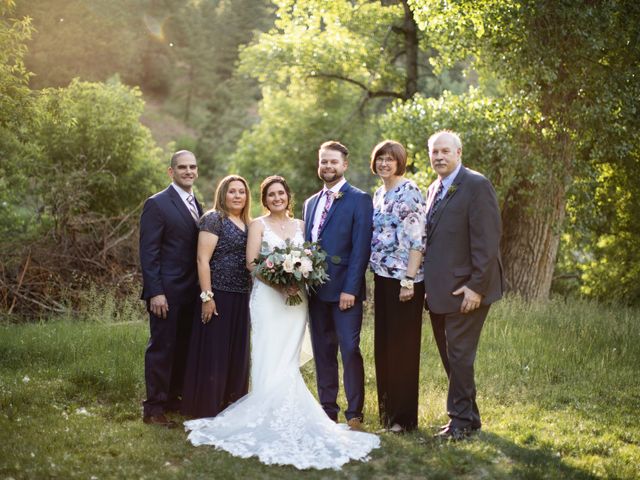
(530, 240)
(410, 29)
(532, 218)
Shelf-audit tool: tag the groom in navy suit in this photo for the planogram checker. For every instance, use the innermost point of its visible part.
(339, 217)
(168, 241)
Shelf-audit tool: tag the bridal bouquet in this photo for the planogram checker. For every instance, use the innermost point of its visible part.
(292, 265)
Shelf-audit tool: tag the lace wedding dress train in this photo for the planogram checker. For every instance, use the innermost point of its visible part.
(280, 421)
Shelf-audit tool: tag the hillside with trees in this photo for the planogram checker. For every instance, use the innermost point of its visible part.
(544, 94)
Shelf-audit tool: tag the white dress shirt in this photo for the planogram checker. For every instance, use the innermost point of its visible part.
(320, 207)
(184, 195)
(448, 180)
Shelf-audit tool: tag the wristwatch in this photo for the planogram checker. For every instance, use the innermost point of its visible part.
(407, 282)
(206, 296)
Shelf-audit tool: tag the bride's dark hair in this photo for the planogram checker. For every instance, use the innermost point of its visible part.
(264, 188)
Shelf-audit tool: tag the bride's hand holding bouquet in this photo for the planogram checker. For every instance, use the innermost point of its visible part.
(292, 268)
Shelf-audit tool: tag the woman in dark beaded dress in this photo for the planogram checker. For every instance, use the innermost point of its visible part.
(217, 371)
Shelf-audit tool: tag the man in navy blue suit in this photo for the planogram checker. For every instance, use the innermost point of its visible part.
(339, 217)
(168, 241)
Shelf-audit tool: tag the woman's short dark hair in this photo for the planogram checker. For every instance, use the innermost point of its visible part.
(264, 188)
(395, 150)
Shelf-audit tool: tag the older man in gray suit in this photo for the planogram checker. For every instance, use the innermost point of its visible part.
(463, 272)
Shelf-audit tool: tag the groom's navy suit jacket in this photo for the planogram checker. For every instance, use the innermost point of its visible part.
(346, 237)
(168, 242)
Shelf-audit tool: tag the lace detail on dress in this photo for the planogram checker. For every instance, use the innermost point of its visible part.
(274, 240)
(284, 427)
(280, 421)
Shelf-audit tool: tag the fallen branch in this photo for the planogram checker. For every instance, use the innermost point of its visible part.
(20, 280)
(59, 308)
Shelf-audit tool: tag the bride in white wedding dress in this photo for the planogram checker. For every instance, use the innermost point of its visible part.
(279, 421)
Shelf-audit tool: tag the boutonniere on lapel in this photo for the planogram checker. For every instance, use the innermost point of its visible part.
(338, 196)
(452, 190)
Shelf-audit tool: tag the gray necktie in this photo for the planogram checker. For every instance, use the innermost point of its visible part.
(192, 208)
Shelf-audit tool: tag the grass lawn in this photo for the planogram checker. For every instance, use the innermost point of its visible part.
(558, 387)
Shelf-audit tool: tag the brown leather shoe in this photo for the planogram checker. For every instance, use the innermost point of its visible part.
(355, 424)
(160, 420)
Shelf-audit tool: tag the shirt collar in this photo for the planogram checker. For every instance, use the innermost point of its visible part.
(181, 192)
(336, 188)
(448, 180)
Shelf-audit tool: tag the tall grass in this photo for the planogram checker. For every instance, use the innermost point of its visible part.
(557, 386)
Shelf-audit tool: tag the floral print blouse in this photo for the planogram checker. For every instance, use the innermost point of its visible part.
(398, 226)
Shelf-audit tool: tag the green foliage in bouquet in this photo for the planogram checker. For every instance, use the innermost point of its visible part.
(303, 266)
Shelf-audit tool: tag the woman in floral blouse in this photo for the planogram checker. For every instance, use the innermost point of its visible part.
(397, 248)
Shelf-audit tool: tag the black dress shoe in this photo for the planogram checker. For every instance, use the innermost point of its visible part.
(473, 427)
(453, 433)
(160, 420)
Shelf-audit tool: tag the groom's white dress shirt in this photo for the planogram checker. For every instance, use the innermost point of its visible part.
(320, 206)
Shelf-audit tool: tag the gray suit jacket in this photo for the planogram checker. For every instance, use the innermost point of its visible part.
(463, 245)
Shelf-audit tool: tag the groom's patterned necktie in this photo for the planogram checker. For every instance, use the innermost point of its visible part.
(327, 206)
(434, 206)
(192, 208)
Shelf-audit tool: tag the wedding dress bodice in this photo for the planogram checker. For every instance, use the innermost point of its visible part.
(274, 240)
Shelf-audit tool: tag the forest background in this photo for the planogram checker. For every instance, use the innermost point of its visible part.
(94, 95)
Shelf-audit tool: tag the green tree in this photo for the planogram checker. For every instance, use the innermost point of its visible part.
(191, 33)
(572, 67)
(328, 70)
(601, 246)
(95, 156)
(230, 103)
(16, 112)
(556, 83)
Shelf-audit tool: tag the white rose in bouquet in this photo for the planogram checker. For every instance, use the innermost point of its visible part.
(306, 266)
(288, 264)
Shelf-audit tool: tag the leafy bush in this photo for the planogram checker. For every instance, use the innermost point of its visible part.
(95, 155)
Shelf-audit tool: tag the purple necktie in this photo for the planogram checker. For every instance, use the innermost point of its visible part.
(327, 206)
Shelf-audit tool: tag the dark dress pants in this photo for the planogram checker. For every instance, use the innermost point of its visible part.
(330, 328)
(398, 327)
(457, 336)
(165, 358)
